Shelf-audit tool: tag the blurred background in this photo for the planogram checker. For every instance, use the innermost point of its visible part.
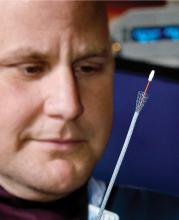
(145, 36)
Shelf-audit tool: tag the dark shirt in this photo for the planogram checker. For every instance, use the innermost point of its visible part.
(128, 203)
(136, 204)
(73, 207)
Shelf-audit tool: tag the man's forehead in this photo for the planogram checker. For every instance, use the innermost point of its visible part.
(41, 32)
(42, 14)
(82, 7)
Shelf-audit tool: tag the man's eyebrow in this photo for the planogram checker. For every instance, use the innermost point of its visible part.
(92, 53)
(30, 54)
(23, 53)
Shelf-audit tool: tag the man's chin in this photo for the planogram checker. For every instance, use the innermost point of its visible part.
(48, 179)
(55, 188)
(43, 193)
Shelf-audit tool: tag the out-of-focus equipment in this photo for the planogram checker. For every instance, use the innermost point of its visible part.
(148, 34)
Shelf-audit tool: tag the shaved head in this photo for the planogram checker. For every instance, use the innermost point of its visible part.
(56, 83)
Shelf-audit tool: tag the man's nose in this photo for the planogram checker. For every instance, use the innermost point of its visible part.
(63, 95)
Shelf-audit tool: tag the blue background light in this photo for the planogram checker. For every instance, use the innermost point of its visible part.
(171, 32)
(152, 34)
(146, 34)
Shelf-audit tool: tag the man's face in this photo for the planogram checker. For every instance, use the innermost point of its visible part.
(55, 96)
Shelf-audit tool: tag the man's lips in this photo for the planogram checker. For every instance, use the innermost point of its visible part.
(60, 141)
(64, 144)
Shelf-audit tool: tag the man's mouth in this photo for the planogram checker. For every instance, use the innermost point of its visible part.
(69, 144)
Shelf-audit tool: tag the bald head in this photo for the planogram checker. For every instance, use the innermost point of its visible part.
(56, 64)
(80, 10)
(42, 16)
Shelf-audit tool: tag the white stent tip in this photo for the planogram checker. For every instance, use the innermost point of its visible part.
(151, 76)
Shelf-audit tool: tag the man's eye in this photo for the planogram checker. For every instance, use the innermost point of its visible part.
(88, 69)
(33, 69)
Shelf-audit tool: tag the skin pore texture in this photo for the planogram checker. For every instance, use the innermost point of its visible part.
(56, 87)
